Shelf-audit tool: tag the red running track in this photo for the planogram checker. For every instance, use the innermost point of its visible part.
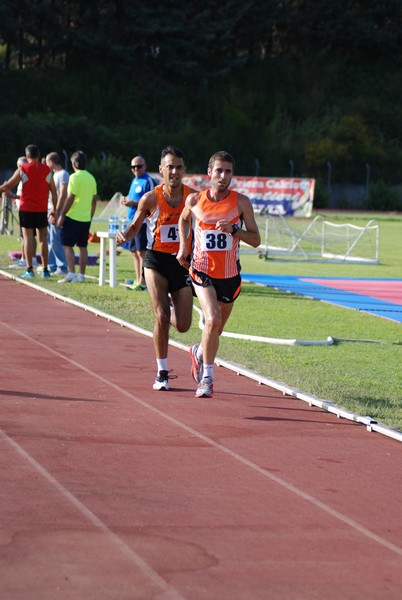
(110, 490)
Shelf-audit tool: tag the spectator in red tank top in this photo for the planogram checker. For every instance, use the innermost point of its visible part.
(37, 182)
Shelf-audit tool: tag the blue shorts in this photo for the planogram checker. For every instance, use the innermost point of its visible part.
(74, 233)
(140, 240)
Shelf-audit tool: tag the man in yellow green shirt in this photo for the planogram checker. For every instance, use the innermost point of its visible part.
(76, 216)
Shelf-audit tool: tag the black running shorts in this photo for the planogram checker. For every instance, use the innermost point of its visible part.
(168, 266)
(227, 290)
(33, 220)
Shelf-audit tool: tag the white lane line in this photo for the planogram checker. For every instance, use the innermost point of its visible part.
(370, 423)
(171, 593)
(238, 457)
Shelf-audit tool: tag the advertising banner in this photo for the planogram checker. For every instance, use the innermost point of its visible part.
(285, 196)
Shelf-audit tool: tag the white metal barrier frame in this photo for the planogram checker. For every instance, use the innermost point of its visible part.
(316, 234)
(352, 240)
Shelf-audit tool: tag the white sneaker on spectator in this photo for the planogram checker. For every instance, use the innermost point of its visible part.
(80, 278)
(59, 271)
(18, 264)
(69, 278)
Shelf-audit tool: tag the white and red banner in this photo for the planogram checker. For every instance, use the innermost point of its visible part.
(286, 196)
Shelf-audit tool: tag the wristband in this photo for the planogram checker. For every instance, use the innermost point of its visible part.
(235, 229)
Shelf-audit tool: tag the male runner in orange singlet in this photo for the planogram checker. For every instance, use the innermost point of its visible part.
(220, 215)
(164, 276)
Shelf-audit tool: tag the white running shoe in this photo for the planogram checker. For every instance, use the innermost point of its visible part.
(196, 364)
(80, 278)
(205, 388)
(69, 278)
(162, 381)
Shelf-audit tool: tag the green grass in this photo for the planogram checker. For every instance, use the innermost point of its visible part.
(365, 378)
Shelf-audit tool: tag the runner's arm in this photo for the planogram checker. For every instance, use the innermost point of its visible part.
(145, 207)
(184, 228)
(250, 235)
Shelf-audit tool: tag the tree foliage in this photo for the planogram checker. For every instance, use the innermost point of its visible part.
(199, 34)
(309, 80)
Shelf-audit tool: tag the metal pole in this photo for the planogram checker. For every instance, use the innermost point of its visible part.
(367, 178)
(329, 176)
(65, 160)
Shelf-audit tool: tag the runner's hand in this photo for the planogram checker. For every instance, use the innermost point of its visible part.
(120, 239)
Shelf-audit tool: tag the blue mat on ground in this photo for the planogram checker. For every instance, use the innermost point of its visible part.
(372, 296)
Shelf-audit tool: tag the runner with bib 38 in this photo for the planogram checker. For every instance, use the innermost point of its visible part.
(223, 218)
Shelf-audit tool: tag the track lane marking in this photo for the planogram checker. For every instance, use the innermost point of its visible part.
(238, 457)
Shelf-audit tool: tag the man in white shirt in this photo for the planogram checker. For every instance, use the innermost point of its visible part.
(57, 257)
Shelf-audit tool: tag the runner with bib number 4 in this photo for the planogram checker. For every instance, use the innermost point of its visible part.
(166, 279)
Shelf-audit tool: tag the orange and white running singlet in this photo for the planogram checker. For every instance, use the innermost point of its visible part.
(215, 252)
(162, 224)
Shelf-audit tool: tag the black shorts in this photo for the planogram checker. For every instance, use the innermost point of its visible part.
(75, 233)
(33, 220)
(227, 290)
(168, 266)
(140, 240)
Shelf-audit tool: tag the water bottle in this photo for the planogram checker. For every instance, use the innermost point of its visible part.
(113, 227)
(124, 223)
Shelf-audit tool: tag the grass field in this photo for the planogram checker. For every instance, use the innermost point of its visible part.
(364, 378)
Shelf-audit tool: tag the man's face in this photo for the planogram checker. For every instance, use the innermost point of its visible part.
(138, 166)
(221, 174)
(172, 168)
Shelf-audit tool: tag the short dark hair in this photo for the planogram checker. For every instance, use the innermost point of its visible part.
(172, 150)
(54, 157)
(79, 160)
(223, 156)
(32, 151)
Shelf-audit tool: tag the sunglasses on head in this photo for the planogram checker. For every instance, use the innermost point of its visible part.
(137, 166)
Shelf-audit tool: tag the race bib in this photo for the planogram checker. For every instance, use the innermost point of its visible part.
(216, 241)
(169, 233)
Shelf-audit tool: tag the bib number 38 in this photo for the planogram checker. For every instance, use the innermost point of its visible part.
(216, 241)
